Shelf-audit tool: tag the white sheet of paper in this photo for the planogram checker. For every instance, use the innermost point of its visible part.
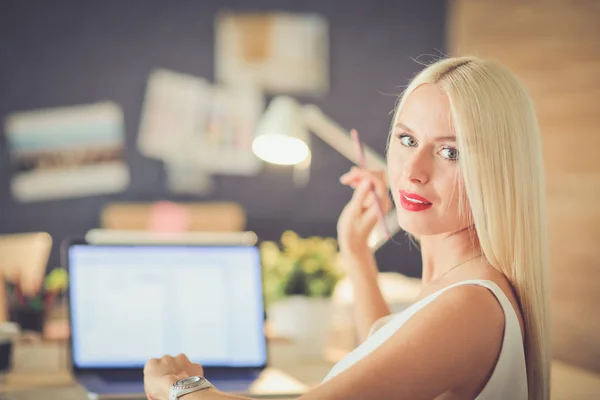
(170, 112)
(194, 126)
(283, 52)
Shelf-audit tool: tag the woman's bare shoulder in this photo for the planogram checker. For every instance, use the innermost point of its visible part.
(489, 273)
(484, 271)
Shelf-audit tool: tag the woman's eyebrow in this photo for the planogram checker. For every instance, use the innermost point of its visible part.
(450, 138)
(402, 126)
(445, 139)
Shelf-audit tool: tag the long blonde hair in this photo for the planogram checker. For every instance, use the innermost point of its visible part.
(501, 163)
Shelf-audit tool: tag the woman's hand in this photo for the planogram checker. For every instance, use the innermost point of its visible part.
(161, 373)
(360, 216)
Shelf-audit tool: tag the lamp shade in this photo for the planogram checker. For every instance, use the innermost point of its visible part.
(281, 136)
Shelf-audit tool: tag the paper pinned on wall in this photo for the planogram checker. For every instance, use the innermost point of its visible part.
(283, 52)
(226, 128)
(67, 152)
(196, 127)
(171, 109)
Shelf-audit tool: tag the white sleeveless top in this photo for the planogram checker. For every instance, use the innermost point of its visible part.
(509, 379)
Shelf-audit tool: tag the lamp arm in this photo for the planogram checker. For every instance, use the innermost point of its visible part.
(341, 141)
(337, 137)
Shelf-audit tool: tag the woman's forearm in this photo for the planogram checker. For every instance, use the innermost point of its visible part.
(369, 304)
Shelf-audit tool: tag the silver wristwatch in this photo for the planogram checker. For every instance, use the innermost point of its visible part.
(188, 385)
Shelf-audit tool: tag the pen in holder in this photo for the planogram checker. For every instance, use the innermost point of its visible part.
(29, 312)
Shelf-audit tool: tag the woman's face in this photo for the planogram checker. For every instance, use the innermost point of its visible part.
(423, 165)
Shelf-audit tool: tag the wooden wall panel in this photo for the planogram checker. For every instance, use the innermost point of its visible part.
(554, 46)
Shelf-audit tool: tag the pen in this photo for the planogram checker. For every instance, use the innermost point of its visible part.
(363, 164)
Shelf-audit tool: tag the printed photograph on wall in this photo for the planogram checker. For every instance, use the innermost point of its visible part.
(283, 52)
(66, 152)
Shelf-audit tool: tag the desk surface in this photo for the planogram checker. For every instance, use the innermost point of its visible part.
(43, 365)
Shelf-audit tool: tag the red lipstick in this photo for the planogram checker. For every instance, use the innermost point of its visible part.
(413, 202)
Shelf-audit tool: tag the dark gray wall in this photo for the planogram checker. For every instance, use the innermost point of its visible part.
(57, 53)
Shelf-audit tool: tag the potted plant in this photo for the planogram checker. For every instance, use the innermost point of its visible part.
(300, 275)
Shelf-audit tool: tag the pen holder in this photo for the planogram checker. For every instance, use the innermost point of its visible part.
(31, 312)
(29, 319)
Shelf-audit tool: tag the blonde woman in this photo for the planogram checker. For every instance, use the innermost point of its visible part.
(465, 173)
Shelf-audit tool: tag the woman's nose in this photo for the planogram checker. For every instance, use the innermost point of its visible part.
(417, 168)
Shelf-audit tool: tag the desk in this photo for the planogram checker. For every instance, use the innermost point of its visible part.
(44, 365)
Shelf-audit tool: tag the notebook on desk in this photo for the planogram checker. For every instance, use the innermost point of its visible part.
(129, 303)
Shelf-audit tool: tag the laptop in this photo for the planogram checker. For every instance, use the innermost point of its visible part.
(131, 302)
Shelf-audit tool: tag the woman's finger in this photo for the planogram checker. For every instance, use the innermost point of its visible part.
(370, 218)
(370, 200)
(379, 182)
(371, 213)
(384, 202)
(182, 362)
(360, 195)
(350, 175)
(351, 181)
(354, 183)
(377, 177)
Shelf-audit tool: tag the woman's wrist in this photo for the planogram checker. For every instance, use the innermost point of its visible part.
(359, 262)
(356, 251)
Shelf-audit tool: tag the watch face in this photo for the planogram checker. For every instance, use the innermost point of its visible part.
(191, 381)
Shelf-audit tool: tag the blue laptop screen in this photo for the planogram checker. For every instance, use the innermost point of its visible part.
(130, 303)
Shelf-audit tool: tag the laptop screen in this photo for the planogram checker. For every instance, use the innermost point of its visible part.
(130, 303)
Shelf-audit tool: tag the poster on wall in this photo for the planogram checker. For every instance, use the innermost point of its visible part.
(198, 129)
(66, 152)
(283, 52)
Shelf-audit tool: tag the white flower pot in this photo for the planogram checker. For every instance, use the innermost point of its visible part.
(306, 320)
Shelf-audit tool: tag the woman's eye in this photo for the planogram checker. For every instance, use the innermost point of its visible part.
(407, 140)
(449, 153)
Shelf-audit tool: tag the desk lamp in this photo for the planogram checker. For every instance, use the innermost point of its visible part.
(282, 138)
